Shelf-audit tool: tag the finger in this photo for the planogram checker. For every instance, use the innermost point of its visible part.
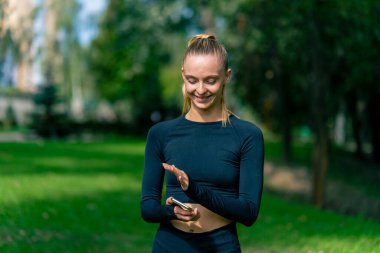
(178, 210)
(169, 201)
(168, 168)
(184, 218)
(177, 172)
(196, 215)
(194, 212)
(172, 169)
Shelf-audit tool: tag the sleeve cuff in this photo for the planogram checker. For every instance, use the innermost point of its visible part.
(169, 210)
(191, 189)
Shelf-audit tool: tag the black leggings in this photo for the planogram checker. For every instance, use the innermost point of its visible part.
(170, 239)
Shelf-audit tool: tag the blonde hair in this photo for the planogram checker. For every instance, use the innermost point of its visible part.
(206, 44)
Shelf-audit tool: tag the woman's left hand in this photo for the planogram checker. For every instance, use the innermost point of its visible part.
(182, 177)
(184, 215)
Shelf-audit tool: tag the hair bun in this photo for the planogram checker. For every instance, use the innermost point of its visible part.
(200, 37)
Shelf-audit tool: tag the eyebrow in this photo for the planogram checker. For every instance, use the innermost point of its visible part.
(211, 76)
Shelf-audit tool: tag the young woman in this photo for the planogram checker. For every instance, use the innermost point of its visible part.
(210, 159)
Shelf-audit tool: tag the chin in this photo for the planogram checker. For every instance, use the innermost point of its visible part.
(203, 106)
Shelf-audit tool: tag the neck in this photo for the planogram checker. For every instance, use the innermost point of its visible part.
(199, 115)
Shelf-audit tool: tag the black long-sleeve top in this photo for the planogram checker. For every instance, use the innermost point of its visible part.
(224, 165)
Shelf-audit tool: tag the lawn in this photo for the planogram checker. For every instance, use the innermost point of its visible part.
(84, 197)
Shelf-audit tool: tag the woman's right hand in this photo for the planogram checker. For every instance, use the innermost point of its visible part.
(184, 215)
(181, 176)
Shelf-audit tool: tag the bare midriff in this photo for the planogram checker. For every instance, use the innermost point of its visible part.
(207, 221)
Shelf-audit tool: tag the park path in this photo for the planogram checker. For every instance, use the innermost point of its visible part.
(13, 137)
(295, 183)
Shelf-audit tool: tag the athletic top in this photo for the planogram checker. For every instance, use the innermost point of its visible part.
(224, 166)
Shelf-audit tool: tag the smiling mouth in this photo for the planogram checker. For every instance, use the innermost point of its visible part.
(202, 99)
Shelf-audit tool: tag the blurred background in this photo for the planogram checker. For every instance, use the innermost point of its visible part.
(82, 81)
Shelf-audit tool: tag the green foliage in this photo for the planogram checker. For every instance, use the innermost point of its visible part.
(13, 92)
(269, 58)
(84, 197)
(272, 43)
(10, 117)
(46, 120)
(47, 97)
(127, 55)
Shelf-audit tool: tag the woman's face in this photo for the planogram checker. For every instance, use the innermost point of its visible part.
(204, 77)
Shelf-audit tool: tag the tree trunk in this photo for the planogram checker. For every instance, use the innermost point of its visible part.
(318, 82)
(286, 120)
(320, 151)
(283, 108)
(374, 120)
(24, 72)
(320, 161)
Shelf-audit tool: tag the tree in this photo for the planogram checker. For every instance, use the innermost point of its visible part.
(63, 57)
(268, 70)
(16, 35)
(292, 56)
(361, 54)
(318, 86)
(127, 55)
(47, 121)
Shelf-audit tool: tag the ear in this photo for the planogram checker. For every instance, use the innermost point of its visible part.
(228, 75)
(183, 73)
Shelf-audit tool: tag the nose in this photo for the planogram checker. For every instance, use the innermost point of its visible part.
(201, 88)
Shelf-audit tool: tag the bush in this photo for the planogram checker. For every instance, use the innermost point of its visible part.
(47, 122)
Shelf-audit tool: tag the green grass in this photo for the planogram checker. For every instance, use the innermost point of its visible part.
(84, 197)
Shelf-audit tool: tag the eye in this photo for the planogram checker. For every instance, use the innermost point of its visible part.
(211, 81)
(192, 80)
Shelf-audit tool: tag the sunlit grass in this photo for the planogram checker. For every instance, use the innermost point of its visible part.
(53, 186)
(85, 197)
(293, 227)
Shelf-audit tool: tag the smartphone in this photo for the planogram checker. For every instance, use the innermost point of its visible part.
(182, 205)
